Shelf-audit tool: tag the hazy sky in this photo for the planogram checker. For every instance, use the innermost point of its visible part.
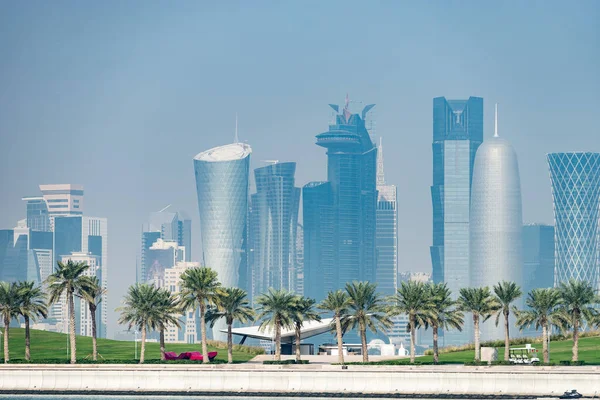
(120, 96)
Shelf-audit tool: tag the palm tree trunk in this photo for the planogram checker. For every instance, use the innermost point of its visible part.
(162, 342)
(436, 357)
(412, 339)
(229, 345)
(545, 343)
(6, 327)
(27, 339)
(94, 334)
(363, 342)
(205, 359)
(277, 340)
(575, 338)
(476, 328)
(506, 336)
(143, 348)
(298, 357)
(72, 326)
(338, 328)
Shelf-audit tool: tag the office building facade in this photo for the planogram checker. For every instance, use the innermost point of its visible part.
(496, 221)
(273, 228)
(575, 179)
(340, 214)
(222, 186)
(538, 257)
(386, 274)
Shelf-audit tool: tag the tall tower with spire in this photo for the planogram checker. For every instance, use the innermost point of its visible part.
(386, 236)
(496, 224)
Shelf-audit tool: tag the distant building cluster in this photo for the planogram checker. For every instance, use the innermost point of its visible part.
(315, 238)
(56, 229)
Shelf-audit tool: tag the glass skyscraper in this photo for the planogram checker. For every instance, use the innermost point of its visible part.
(575, 181)
(538, 257)
(386, 274)
(457, 133)
(340, 214)
(273, 224)
(222, 186)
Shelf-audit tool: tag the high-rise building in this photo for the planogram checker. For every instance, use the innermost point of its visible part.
(24, 254)
(386, 241)
(62, 200)
(299, 261)
(538, 257)
(88, 236)
(164, 255)
(340, 214)
(38, 216)
(457, 133)
(496, 221)
(189, 330)
(575, 181)
(222, 186)
(273, 226)
(170, 227)
(83, 318)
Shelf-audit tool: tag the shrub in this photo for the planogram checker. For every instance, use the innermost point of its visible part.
(284, 362)
(572, 363)
(254, 350)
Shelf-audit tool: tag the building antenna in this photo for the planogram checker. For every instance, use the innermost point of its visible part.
(165, 208)
(496, 122)
(236, 139)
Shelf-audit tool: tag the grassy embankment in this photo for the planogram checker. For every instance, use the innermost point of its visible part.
(589, 352)
(52, 347)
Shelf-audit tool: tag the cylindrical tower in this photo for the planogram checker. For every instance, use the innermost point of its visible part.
(496, 221)
(576, 196)
(222, 186)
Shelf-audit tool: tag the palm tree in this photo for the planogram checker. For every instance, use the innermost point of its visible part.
(542, 312)
(32, 304)
(367, 310)
(168, 310)
(276, 310)
(413, 299)
(92, 291)
(506, 294)
(481, 303)
(444, 313)
(140, 309)
(233, 305)
(9, 309)
(304, 311)
(67, 278)
(337, 302)
(200, 289)
(577, 300)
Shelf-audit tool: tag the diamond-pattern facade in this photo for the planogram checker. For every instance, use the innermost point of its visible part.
(576, 193)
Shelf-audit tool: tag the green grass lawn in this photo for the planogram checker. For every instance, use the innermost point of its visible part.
(53, 346)
(589, 351)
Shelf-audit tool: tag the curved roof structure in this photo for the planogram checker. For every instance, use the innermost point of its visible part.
(228, 152)
(309, 329)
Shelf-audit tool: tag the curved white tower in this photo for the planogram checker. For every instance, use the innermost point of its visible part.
(496, 220)
(222, 186)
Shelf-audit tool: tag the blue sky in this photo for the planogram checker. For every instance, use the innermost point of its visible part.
(119, 96)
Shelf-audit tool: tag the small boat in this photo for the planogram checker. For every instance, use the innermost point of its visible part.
(571, 394)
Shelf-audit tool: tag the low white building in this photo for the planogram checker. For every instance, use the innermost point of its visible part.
(189, 322)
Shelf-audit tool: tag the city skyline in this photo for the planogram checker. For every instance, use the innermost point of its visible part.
(125, 119)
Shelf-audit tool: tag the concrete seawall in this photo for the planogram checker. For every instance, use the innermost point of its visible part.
(301, 379)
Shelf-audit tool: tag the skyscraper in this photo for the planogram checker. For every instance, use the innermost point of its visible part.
(222, 186)
(87, 236)
(457, 133)
(38, 217)
(339, 215)
(496, 222)
(273, 224)
(387, 232)
(575, 181)
(170, 227)
(538, 257)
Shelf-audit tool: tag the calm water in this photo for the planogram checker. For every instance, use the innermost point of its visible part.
(101, 397)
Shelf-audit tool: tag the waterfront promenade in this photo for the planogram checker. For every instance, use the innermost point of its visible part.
(299, 380)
